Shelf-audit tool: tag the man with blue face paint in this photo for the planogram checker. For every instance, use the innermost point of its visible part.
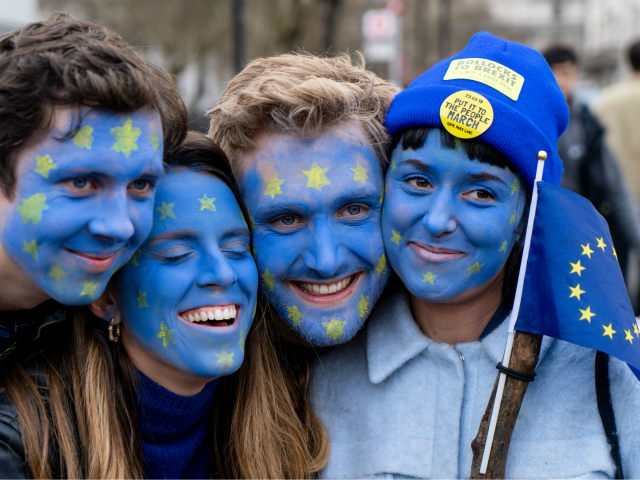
(406, 398)
(306, 140)
(85, 122)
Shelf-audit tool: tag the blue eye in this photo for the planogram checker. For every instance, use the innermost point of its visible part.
(288, 219)
(80, 182)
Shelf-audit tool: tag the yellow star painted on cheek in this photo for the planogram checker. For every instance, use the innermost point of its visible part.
(241, 341)
(294, 315)
(134, 259)
(316, 177)
(429, 277)
(586, 250)
(475, 268)
(576, 292)
(31, 208)
(44, 164)
(255, 306)
(586, 314)
(393, 165)
(382, 264)
(360, 173)
(166, 335)
(126, 138)
(83, 138)
(273, 187)
(512, 220)
(515, 186)
(601, 243)
(628, 336)
(503, 247)
(608, 331)
(381, 197)
(56, 272)
(396, 237)
(155, 141)
(577, 268)
(206, 203)
(363, 306)
(335, 328)
(225, 358)
(89, 288)
(166, 210)
(32, 248)
(268, 279)
(142, 299)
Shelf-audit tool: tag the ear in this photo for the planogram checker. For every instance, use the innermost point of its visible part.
(105, 307)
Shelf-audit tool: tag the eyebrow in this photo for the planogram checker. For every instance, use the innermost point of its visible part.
(486, 176)
(278, 209)
(367, 196)
(173, 235)
(417, 163)
(235, 232)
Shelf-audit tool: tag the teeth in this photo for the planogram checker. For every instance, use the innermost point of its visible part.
(225, 314)
(218, 314)
(210, 315)
(196, 317)
(314, 288)
(191, 318)
(232, 313)
(324, 290)
(333, 288)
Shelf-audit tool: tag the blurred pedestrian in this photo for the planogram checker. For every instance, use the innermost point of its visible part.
(591, 169)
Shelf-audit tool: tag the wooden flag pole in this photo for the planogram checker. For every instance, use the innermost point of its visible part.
(491, 445)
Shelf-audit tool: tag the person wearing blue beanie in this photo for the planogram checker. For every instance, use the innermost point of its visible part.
(405, 398)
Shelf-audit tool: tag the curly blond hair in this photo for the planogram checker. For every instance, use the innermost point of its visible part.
(302, 95)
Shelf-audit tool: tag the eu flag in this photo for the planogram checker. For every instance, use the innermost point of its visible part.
(573, 288)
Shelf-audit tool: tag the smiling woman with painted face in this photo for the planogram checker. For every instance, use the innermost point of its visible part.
(134, 399)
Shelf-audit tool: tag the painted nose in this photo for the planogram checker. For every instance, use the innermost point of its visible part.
(326, 254)
(112, 220)
(214, 271)
(439, 218)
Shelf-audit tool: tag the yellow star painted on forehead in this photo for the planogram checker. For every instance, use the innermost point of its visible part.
(586, 250)
(577, 268)
(608, 331)
(241, 341)
(429, 277)
(475, 268)
(294, 315)
(382, 264)
(335, 328)
(126, 138)
(363, 306)
(166, 335)
(586, 314)
(268, 279)
(83, 137)
(575, 291)
(512, 219)
(155, 141)
(166, 210)
(601, 243)
(503, 247)
(273, 187)
(360, 173)
(31, 208)
(316, 177)
(515, 186)
(628, 336)
(206, 203)
(44, 164)
(142, 299)
(32, 248)
(396, 237)
(225, 358)
(56, 272)
(89, 288)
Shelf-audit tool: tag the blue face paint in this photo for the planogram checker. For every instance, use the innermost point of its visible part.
(449, 223)
(83, 205)
(316, 207)
(195, 263)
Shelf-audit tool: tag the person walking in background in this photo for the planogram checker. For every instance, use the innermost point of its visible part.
(591, 169)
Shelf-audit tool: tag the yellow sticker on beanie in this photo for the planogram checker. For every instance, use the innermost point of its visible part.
(490, 73)
(466, 114)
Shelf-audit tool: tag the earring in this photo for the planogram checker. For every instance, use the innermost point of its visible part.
(114, 331)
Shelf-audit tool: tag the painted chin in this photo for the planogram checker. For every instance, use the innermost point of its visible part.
(95, 262)
(327, 294)
(435, 255)
(220, 317)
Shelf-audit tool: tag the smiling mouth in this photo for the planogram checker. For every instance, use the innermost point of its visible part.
(434, 254)
(96, 261)
(212, 315)
(327, 293)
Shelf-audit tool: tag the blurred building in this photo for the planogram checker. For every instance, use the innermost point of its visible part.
(14, 14)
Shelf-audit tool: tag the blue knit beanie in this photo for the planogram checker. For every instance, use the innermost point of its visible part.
(527, 110)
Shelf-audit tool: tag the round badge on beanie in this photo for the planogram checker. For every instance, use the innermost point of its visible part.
(501, 92)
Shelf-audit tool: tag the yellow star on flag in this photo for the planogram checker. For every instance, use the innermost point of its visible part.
(515, 186)
(56, 272)
(635, 330)
(512, 219)
(166, 335)
(142, 299)
(577, 268)
(503, 247)
(225, 358)
(316, 177)
(206, 203)
(166, 210)
(89, 288)
(241, 341)
(83, 138)
(382, 264)
(608, 331)
(31, 208)
(44, 164)
(335, 328)
(363, 306)
(586, 314)
(268, 279)
(273, 187)
(126, 138)
(575, 291)
(429, 277)
(360, 173)
(155, 141)
(615, 254)
(586, 250)
(628, 336)
(601, 243)
(294, 315)
(396, 237)
(32, 248)
(475, 268)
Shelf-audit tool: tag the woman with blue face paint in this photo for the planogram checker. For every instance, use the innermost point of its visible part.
(406, 399)
(131, 396)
